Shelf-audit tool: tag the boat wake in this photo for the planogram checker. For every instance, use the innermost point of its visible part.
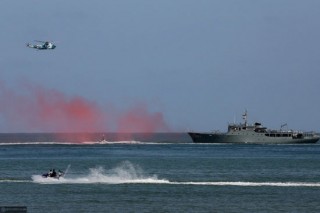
(240, 183)
(14, 181)
(127, 173)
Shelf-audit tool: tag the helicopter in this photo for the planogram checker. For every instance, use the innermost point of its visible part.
(46, 45)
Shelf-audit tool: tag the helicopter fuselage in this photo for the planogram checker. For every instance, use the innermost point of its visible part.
(45, 46)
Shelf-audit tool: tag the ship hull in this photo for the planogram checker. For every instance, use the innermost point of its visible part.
(247, 139)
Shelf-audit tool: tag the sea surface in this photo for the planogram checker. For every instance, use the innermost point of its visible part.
(160, 175)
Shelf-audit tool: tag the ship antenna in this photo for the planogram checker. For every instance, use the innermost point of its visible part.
(283, 125)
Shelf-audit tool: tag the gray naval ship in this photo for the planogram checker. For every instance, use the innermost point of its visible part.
(254, 134)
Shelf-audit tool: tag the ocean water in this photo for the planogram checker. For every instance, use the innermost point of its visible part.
(157, 176)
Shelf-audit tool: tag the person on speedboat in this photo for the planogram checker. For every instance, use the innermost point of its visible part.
(53, 174)
(50, 173)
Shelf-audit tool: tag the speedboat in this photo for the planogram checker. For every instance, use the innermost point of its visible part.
(53, 174)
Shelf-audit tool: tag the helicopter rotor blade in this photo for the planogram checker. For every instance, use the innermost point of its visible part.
(40, 41)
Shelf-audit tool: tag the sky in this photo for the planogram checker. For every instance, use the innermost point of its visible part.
(159, 66)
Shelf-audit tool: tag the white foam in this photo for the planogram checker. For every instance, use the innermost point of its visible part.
(81, 143)
(37, 143)
(116, 179)
(124, 173)
(277, 184)
(128, 173)
(14, 181)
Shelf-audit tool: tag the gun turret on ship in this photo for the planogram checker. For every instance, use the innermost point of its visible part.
(254, 134)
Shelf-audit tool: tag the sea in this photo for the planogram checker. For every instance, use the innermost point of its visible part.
(156, 173)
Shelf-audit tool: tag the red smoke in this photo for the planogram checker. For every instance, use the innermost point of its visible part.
(138, 119)
(41, 110)
(36, 109)
(75, 114)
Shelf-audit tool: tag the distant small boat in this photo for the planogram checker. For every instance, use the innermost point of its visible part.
(103, 140)
(254, 134)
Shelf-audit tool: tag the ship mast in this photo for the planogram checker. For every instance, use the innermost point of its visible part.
(244, 116)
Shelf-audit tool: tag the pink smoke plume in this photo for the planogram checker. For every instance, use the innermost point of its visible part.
(42, 110)
(37, 109)
(138, 118)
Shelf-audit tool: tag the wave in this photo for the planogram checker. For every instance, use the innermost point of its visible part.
(115, 180)
(239, 183)
(127, 173)
(36, 143)
(109, 180)
(14, 181)
(83, 143)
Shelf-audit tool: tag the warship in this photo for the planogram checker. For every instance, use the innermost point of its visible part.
(245, 133)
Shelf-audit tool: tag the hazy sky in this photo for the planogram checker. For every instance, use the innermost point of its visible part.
(184, 64)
